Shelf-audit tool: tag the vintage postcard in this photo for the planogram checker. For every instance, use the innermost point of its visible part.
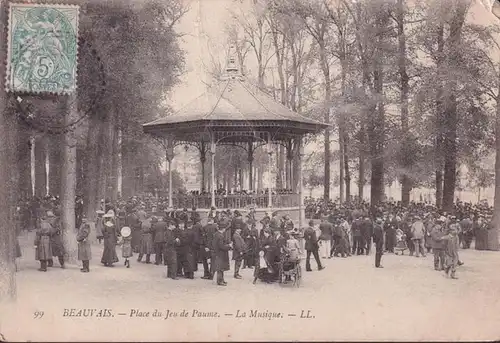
(249, 170)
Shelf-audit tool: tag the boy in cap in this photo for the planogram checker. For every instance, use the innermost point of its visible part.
(451, 252)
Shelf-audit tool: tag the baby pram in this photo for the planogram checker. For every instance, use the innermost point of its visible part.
(266, 268)
(401, 245)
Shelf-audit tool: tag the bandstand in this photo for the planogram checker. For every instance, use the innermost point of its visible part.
(233, 112)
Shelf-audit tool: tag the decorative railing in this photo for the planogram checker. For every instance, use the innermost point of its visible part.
(235, 201)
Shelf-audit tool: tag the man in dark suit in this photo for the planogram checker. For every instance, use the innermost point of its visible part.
(311, 245)
(208, 237)
(367, 232)
(378, 238)
(201, 253)
(221, 248)
(159, 229)
(170, 252)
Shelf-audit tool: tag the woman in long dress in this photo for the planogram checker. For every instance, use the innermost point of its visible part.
(110, 239)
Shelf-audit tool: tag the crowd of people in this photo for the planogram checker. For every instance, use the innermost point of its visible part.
(178, 239)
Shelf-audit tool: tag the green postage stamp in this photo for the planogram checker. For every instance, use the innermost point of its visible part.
(42, 48)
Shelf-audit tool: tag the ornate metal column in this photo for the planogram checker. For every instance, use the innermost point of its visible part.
(301, 183)
(250, 166)
(212, 181)
(289, 159)
(170, 157)
(203, 159)
(269, 169)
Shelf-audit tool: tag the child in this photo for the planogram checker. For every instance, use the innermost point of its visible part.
(451, 252)
(126, 243)
(400, 242)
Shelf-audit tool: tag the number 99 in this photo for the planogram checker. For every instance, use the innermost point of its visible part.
(38, 314)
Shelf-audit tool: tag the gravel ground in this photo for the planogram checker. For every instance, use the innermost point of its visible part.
(349, 300)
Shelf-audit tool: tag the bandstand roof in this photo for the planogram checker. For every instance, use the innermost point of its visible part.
(236, 110)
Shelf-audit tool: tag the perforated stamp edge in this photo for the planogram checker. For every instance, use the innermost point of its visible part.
(9, 8)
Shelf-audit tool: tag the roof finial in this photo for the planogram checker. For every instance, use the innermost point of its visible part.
(232, 70)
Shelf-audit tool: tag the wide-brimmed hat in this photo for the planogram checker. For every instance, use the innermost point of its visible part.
(111, 212)
(50, 214)
(107, 215)
(125, 231)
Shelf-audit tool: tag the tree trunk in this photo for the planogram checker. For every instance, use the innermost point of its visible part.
(492, 241)
(347, 173)
(55, 162)
(114, 165)
(92, 167)
(438, 149)
(24, 161)
(407, 158)
(68, 184)
(361, 168)
(439, 189)
(328, 98)
(341, 165)
(7, 187)
(40, 166)
(101, 170)
(376, 129)
(450, 107)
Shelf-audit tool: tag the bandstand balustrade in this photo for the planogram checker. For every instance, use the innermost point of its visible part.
(235, 201)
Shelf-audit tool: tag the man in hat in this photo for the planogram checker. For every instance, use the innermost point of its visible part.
(208, 237)
(147, 247)
(418, 232)
(378, 238)
(56, 241)
(184, 254)
(236, 223)
(221, 248)
(84, 251)
(438, 244)
(43, 251)
(466, 235)
(357, 239)
(99, 225)
(311, 245)
(239, 251)
(367, 232)
(158, 228)
(201, 248)
(170, 253)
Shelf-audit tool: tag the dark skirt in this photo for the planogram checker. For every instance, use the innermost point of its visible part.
(109, 254)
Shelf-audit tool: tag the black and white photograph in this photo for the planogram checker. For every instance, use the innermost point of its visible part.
(249, 170)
